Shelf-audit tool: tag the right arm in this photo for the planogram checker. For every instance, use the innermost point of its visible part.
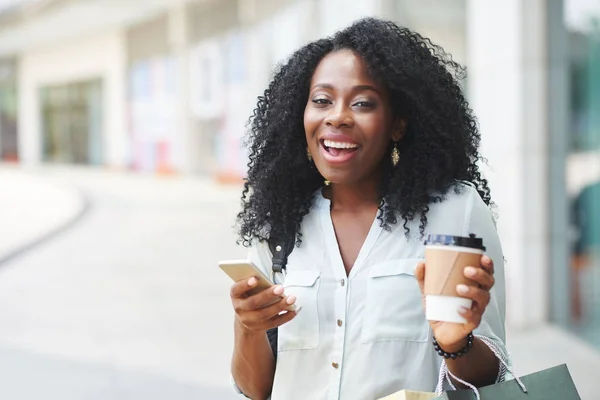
(253, 363)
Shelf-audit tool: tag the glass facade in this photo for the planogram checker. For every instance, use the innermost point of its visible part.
(8, 111)
(71, 123)
(583, 167)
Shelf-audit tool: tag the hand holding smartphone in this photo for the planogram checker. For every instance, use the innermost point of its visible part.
(239, 270)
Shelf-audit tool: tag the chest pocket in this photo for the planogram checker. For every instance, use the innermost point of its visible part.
(302, 332)
(393, 308)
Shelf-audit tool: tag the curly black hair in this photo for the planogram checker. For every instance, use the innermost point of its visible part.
(439, 149)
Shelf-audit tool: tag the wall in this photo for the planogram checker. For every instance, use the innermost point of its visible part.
(506, 48)
(100, 56)
(442, 22)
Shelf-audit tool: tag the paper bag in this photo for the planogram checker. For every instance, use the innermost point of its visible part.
(550, 384)
(408, 395)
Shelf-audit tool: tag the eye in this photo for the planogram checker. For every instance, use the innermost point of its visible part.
(364, 104)
(321, 101)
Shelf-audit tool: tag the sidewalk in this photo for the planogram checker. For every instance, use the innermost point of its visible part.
(35, 204)
(539, 348)
(32, 209)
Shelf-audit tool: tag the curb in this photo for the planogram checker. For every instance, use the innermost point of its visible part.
(53, 233)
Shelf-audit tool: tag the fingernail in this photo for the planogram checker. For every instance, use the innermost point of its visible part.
(291, 300)
(485, 259)
(298, 309)
(462, 310)
(278, 290)
(462, 289)
(252, 281)
(470, 271)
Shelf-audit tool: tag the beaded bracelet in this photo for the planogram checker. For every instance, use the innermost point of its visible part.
(453, 356)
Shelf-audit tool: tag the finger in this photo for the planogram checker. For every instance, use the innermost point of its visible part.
(472, 316)
(487, 264)
(478, 295)
(277, 317)
(420, 275)
(263, 299)
(476, 309)
(273, 310)
(480, 276)
(282, 319)
(240, 288)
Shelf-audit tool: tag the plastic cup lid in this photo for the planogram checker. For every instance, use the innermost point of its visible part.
(472, 241)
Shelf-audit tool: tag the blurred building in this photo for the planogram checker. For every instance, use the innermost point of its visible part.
(167, 85)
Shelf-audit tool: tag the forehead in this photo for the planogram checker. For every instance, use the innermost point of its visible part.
(341, 68)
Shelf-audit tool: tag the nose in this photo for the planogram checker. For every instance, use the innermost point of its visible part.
(340, 116)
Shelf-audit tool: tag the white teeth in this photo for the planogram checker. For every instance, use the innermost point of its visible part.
(339, 145)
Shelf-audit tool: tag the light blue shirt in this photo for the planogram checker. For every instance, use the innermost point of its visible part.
(365, 336)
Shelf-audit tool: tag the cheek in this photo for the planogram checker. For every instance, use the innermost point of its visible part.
(377, 131)
(310, 122)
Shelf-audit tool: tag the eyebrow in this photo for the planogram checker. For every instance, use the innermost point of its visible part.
(356, 88)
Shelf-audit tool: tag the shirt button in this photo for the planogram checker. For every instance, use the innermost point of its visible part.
(339, 321)
(335, 365)
(343, 282)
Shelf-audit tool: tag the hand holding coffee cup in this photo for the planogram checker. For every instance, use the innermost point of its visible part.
(455, 282)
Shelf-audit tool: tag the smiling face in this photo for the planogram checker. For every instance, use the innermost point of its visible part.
(348, 120)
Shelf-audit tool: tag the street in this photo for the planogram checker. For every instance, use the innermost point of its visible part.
(129, 302)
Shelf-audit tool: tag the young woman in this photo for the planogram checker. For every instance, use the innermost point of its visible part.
(362, 145)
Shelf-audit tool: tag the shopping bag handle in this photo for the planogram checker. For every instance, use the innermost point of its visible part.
(445, 373)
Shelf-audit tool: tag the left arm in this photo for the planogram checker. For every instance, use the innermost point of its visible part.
(481, 366)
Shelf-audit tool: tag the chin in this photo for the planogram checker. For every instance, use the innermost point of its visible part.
(340, 177)
(347, 176)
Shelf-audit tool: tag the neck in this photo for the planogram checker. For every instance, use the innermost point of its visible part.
(353, 197)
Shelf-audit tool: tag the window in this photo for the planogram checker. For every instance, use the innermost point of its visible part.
(71, 123)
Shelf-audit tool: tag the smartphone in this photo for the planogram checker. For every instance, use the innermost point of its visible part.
(243, 270)
(239, 270)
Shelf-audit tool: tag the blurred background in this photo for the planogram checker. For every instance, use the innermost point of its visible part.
(121, 126)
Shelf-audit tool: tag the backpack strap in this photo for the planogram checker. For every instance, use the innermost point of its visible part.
(280, 250)
(273, 334)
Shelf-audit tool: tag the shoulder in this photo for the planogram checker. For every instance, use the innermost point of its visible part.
(461, 196)
(460, 206)
(260, 255)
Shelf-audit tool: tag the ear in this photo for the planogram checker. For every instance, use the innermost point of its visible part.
(399, 129)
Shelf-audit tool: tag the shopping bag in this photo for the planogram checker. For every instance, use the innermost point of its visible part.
(550, 384)
(409, 395)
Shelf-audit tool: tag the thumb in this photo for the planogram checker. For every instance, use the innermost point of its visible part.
(420, 275)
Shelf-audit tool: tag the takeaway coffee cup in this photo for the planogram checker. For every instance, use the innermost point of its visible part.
(446, 257)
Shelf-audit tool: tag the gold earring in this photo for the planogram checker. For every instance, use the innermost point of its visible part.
(308, 154)
(395, 154)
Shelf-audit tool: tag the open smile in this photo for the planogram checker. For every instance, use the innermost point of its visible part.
(338, 151)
